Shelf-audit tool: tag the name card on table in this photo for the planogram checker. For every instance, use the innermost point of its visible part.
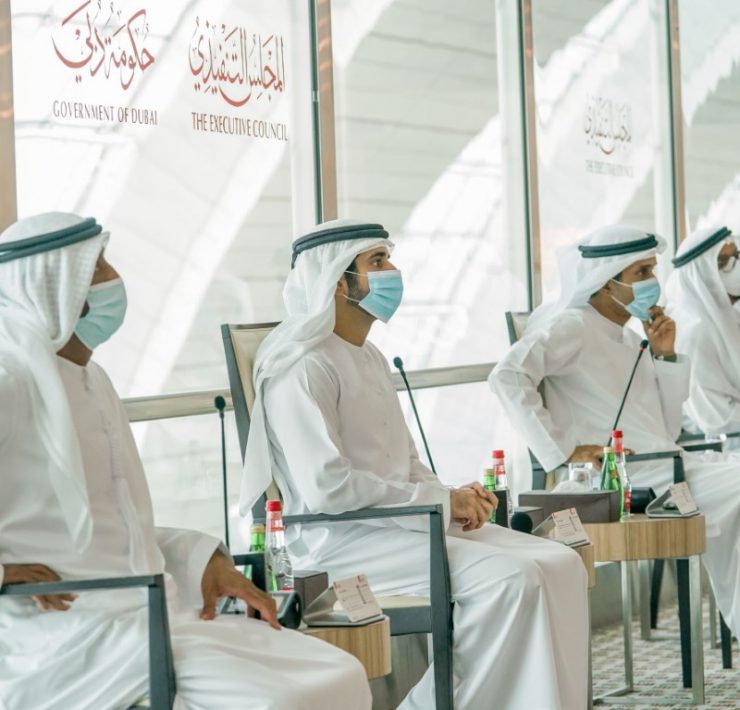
(681, 496)
(348, 602)
(356, 598)
(564, 526)
(676, 502)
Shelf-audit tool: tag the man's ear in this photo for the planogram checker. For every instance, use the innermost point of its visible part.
(342, 289)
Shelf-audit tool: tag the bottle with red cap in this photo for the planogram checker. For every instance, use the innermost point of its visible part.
(618, 446)
(502, 483)
(279, 567)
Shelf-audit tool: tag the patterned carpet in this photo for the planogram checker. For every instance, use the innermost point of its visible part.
(657, 666)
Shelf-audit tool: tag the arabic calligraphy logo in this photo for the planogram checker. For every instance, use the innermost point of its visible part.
(235, 64)
(607, 124)
(89, 38)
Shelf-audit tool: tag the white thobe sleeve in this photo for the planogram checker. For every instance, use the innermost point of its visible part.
(673, 385)
(420, 472)
(516, 380)
(714, 404)
(11, 411)
(304, 419)
(186, 554)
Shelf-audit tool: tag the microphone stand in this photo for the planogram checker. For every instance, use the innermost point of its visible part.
(220, 404)
(643, 347)
(399, 365)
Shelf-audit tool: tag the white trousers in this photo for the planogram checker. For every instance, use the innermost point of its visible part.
(100, 661)
(714, 480)
(520, 616)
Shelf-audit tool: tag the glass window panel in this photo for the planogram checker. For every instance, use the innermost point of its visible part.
(601, 119)
(463, 424)
(182, 461)
(185, 129)
(710, 93)
(419, 148)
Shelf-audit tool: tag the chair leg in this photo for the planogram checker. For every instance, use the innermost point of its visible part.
(442, 650)
(684, 618)
(658, 568)
(726, 641)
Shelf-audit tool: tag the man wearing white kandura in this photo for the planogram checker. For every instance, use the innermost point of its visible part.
(578, 349)
(328, 425)
(75, 505)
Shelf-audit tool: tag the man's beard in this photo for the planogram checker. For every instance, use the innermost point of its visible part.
(355, 295)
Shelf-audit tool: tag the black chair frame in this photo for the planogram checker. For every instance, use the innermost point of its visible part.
(161, 666)
(435, 618)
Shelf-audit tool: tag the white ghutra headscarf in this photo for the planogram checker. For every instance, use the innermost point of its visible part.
(586, 266)
(319, 263)
(705, 318)
(42, 295)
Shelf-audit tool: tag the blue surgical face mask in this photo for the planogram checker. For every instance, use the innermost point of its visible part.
(107, 307)
(646, 295)
(385, 294)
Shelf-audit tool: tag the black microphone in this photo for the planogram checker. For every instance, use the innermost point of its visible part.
(643, 347)
(521, 522)
(399, 364)
(220, 404)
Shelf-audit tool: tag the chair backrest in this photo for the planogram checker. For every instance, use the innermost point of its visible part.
(241, 343)
(516, 322)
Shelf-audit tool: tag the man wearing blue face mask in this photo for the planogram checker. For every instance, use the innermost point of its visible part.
(563, 382)
(74, 504)
(327, 424)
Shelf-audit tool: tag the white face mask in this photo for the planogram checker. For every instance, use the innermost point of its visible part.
(731, 281)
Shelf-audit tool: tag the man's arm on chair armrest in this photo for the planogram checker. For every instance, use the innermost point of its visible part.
(302, 415)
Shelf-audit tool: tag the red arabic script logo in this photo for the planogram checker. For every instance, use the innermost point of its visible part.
(88, 40)
(237, 65)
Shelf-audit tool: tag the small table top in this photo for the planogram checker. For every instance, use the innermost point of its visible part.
(642, 538)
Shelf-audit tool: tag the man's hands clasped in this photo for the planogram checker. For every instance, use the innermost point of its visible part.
(472, 506)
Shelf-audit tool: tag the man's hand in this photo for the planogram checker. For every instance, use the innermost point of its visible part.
(472, 505)
(35, 574)
(222, 579)
(661, 333)
(587, 454)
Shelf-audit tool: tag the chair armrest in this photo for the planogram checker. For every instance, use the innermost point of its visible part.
(79, 585)
(703, 445)
(653, 456)
(161, 666)
(364, 514)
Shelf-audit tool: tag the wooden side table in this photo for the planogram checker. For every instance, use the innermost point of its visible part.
(643, 538)
(370, 644)
(588, 556)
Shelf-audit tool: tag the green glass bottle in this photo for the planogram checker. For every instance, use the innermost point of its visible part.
(256, 544)
(610, 478)
(489, 483)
